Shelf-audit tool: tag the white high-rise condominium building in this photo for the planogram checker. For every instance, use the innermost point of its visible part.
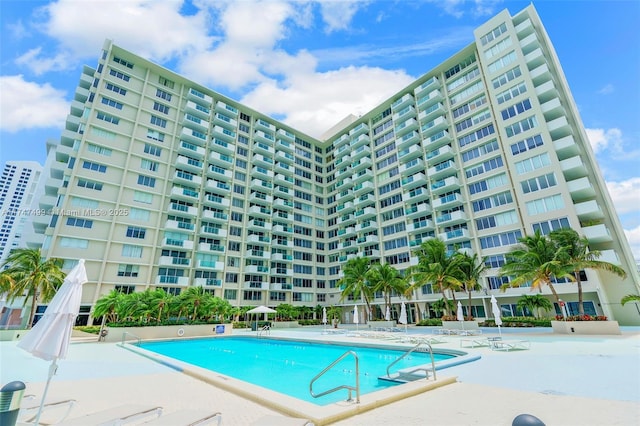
(17, 188)
(165, 183)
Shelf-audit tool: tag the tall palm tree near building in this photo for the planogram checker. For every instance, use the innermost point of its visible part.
(195, 298)
(534, 303)
(535, 260)
(436, 267)
(27, 274)
(354, 283)
(574, 253)
(384, 278)
(160, 300)
(471, 268)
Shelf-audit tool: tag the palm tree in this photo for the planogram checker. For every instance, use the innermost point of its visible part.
(534, 303)
(194, 298)
(28, 274)
(333, 314)
(387, 279)
(630, 298)
(442, 306)
(160, 300)
(577, 256)
(106, 306)
(535, 260)
(354, 282)
(471, 268)
(437, 267)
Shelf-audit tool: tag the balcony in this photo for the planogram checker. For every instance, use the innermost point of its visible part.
(260, 198)
(281, 179)
(199, 97)
(369, 239)
(198, 110)
(581, 189)
(170, 279)
(566, 147)
(363, 187)
(430, 84)
(454, 236)
(193, 136)
(363, 163)
(447, 201)
(221, 146)
(535, 58)
(180, 176)
(409, 153)
(226, 109)
(195, 123)
(416, 195)
(286, 135)
(258, 254)
(452, 218)
(263, 148)
(365, 199)
(420, 225)
(441, 138)
(540, 74)
(261, 172)
(546, 91)
(187, 163)
(363, 175)
(212, 230)
(262, 124)
(438, 155)
(260, 211)
(346, 219)
(283, 204)
(182, 209)
(368, 225)
(191, 150)
(265, 138)
(406, 126)
(529, 43)
(360, 152)
(573, 168)
(431, 113)
(404, 101)
(345, 183)
(219, 173)
(256, 269)
(207, 282)
(589, 210)
(610, 256)
(345, 207)
(216, 216)
(432, 127)
(285, 157)
(365, 213)
(224, 134)
(418, 209)
(282, 230)
(405, 113)
(597, 234)
(174, 261)
(222, 160)
(211, 265)
(552, 109)
(256, 285)
(413, 181)
(410, 139)
(185, 193)
(443, 169)
(282, 257)
(179, 226)
(360, 141)
(342, 140)
(445, 185)
(427, 101)
(259, 225)
(215, 201)
(524, 27)
(172, 242)
(262, 160)
(284, 146)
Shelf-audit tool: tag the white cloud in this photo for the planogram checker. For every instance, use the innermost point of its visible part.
(625, 195)
(313, 102)
(456, 8)
(26, 105)
(633, 236)
(607, 89)
(601, 139)
(337, 15)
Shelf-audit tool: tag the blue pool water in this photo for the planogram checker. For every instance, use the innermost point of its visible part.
(288, 366)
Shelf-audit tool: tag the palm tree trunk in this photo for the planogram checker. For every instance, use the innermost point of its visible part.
(469, 308)
(553, 291)
(33, 309)
(579, 282)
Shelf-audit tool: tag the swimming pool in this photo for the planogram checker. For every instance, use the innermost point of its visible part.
(288, 366)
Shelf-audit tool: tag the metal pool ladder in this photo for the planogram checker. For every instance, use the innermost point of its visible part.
(418, 368)
(337, 388)
(124, 338)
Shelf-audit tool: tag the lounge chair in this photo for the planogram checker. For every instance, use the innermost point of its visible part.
(186, 418)
(119, 415)
(509, 345)
(30, 405)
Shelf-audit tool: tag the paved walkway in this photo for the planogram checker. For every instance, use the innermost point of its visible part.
(563, 380)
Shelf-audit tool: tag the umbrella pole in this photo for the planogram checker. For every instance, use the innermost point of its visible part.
(52, 370)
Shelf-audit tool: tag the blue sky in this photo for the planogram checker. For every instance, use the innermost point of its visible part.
(310, 63)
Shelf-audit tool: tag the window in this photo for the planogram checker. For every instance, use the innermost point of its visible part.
(502, 62)
(495, 261)
(163, 95)
(546, 204)
(146, 181)
(118, 74)
(504, 239)
(82, 183)
(80, 223)
(480, 151)
(152, 149)
(469, 106)
(165, 82)
(131, 251)
(464, 94)
(492, 201)
(516, 109)
(108, 118)
(493, 34)
(521, 126)
(142, 197)
(533, 163)
(139, 214)
(136, 232)
(526, 144)
(477, 135)
(508, 76)
(94, 167)
(538, 183)
(105, 134)
(149, 165)
(128, 270)
(114, 88)
(155, 135)
(122, 62)
(501, 219)
(67, 242)
(161, 108)
(101, 150)
(547, 226)
(500, 46)
(511, 93)
(488, 165)
(158, 121)
(111, 103)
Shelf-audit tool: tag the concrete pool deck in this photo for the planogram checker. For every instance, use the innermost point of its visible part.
(562, 379)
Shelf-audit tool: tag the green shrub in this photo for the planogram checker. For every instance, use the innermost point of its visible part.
(518, 322)
(93, 329)
(431, 322)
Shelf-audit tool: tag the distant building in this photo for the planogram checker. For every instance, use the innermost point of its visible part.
(17, 187)
(160, 182)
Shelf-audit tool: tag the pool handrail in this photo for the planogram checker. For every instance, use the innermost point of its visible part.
(413, 349)
(124, 335)
(337, 388)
